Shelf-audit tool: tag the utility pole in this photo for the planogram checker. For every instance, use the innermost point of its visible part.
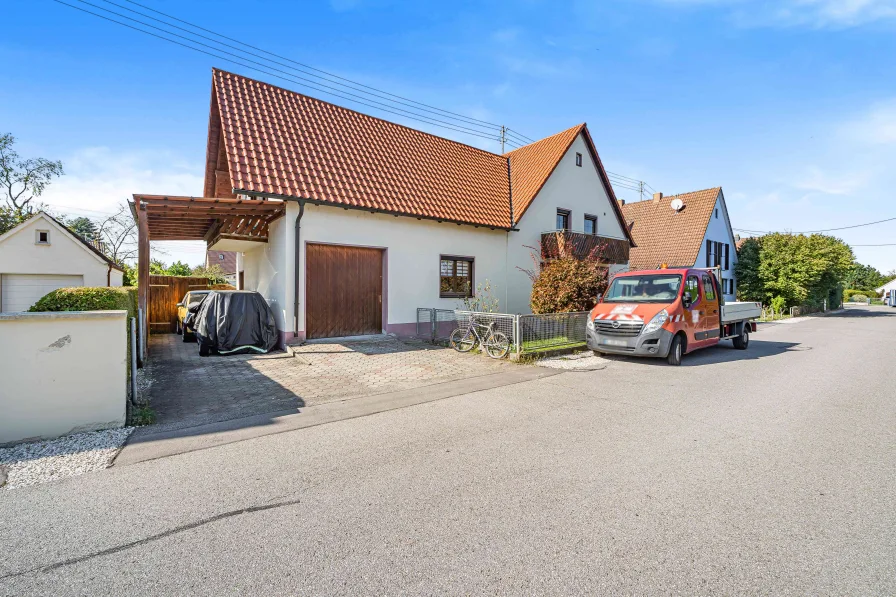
(503, 137)
(641, 189)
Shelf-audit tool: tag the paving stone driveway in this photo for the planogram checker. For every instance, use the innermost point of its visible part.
(190, 390)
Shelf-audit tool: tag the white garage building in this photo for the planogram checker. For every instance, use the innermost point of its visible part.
(41, 255)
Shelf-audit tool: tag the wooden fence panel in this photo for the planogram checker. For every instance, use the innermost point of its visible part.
(164, 294)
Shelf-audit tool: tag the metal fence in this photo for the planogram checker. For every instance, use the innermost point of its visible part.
(527, 333)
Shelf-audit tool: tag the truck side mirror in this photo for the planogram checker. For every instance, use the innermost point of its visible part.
(600, 297)
(686, 300)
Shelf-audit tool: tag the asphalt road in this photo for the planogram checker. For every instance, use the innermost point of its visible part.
(771, 471)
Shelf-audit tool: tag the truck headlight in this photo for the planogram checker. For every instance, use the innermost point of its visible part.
(656, 323)
(590, 324)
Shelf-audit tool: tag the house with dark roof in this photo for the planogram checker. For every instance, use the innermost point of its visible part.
(380, 219)
(686, 230)
(40, 255)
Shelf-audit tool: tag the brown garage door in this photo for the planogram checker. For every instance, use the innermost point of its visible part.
(343, 291)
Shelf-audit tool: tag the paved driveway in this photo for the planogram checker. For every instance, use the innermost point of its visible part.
(189, 390)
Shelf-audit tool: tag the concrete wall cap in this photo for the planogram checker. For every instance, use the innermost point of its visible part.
(54, 315)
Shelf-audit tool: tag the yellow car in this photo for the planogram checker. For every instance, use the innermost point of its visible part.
(193, 297)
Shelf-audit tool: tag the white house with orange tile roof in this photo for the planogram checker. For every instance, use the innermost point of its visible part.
(381, 219)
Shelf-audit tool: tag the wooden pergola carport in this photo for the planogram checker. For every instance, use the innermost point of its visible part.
(225, 223)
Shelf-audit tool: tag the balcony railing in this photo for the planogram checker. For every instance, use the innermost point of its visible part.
(581, 246)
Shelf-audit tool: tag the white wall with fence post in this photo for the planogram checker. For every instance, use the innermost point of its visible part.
(62, 372)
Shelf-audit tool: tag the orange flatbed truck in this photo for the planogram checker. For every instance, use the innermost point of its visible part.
(668, 313)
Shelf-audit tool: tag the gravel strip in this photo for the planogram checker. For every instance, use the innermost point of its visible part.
(578, 361)
(38, 462)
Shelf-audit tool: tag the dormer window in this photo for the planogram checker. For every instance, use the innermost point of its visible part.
(579, 160)
(42, 237)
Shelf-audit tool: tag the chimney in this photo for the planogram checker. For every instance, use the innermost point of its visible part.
(657, 196)
(621, 202)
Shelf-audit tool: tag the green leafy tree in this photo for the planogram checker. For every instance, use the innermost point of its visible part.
(800, 269)
(864, 277)
(11, 217)
(214, 273)
(157, 267)
(179, 269)
(22, 180)
(83, 227)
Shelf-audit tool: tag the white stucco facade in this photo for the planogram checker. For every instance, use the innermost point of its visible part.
(62, 373)
(412, 248)
(719, 230)
(61, 257)
(578, 189)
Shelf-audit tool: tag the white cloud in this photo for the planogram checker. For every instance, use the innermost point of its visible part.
(811, 13)
(877, 126)
(98, 179)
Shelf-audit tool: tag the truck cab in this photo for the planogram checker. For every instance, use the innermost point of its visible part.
(667, 313)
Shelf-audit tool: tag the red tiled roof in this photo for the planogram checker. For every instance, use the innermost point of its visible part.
(532, 165)
(663, 235)
(284, 143)
(278, 142)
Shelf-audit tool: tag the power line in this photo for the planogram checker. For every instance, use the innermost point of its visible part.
(289, 77)
(329, 74)
(880, 245)
(825, 230)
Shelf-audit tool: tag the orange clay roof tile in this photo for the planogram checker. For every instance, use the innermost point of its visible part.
(284, 143)
(663, 235)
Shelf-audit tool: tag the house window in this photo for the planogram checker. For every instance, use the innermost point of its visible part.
(717, 213)
(221, 256)
(563, 219)
(42, 237)
(713, 253)
(579, 160)
(727, 249)
(590, 224)
(455, 277)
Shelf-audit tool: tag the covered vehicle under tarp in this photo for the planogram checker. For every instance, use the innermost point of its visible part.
(232, 321)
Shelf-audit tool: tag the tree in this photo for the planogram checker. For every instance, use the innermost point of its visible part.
(24, 179)
(567, 282)
(864, 277)
(179, 269)
(83, 227)
(157, 268)
(11, 217)
(118, 234)
(214, 273)
(800, 269)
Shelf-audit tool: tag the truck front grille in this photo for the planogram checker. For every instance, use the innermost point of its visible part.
(626, 328)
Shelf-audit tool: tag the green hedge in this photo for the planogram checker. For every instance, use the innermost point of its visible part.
(85, 298)
(851, 292)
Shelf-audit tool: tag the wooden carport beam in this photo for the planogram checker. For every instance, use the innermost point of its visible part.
(143, 273)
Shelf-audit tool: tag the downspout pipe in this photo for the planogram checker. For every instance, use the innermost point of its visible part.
(298, 255)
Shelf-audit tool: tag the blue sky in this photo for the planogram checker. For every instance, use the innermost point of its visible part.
(789, 105)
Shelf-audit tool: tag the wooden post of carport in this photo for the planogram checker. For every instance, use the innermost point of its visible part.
(142, 272)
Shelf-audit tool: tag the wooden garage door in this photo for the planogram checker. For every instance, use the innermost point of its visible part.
(343, 291)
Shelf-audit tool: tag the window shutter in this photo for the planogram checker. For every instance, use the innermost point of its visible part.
(708, 253)
(727, 248)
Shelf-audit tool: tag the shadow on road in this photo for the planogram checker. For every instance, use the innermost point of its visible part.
(723, 353)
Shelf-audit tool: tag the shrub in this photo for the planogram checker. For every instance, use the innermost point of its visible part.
(86, 298)
(857, 295)
(778, 304)
(568, 284)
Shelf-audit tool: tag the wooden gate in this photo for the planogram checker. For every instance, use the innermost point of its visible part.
(164, 294)
(343, 291)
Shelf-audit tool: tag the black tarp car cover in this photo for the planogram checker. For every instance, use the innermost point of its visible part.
(229, 321)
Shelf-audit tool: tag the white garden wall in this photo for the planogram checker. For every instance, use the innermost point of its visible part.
(61, 373)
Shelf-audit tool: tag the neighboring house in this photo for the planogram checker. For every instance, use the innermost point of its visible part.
(886, 288)
(381, 219)
(688, 230)
(41, 255)
(226, 260)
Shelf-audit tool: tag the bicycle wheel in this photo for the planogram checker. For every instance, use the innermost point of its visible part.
(462, 340)
(497, 346)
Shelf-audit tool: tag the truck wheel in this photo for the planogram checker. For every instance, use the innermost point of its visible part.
(675, 351)
(743, 341)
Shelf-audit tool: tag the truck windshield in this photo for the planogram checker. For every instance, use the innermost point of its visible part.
(654, 288)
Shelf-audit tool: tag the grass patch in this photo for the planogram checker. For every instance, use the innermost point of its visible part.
(141, 415)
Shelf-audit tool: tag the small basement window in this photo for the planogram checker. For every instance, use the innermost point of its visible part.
(579, 160)
(42, 237)
(455, 277)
